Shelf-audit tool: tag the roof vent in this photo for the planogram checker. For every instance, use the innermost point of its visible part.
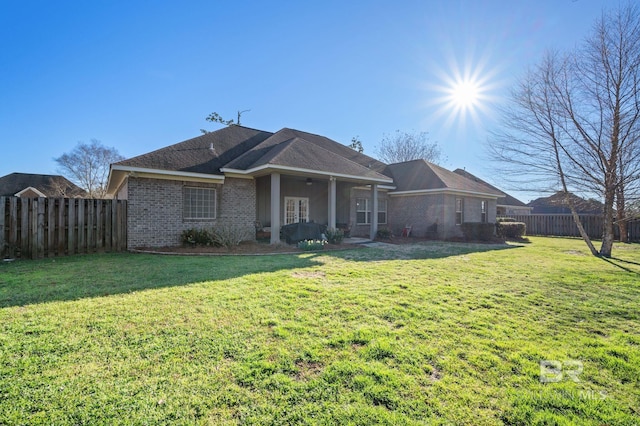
(212, 149)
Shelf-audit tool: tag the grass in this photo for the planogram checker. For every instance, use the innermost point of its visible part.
(434, 333)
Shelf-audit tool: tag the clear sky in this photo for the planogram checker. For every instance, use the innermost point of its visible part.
(139, 76)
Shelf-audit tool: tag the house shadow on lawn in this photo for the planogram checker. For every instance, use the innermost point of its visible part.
(419, 250)
(98, 275)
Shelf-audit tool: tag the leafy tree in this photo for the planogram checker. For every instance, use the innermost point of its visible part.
(356, 144)
(573, 121)
(214, 117)
(405, 146)
(87, 165)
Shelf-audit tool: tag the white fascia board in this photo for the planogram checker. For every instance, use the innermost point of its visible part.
(442, 191)
(168, 173)
(118, 173)
(305, 172)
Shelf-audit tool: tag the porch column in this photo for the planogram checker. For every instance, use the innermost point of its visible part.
(374, 210)
(332, 203)
(275, 208)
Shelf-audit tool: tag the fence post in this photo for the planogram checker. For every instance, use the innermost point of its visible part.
(3, 248)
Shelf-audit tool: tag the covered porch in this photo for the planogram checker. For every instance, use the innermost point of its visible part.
(287, 198)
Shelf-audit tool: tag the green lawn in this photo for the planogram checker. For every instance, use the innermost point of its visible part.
(434, 333)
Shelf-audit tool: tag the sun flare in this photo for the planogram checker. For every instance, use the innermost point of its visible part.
(465, 94)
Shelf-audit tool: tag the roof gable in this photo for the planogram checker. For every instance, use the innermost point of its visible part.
(260, 152)
(507, 200)
(419, 175)
(302, 154)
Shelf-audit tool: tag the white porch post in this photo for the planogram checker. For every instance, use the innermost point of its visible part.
(332, 203)
(374, 210)
(275, 208)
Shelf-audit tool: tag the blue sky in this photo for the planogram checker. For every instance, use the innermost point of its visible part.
(139, 76)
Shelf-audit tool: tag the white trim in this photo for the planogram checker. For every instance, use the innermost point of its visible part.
(19, 194)
(117, 175)
(442, 191)
(175, 173)
(304, 171)
(515, 207)
(199, 188)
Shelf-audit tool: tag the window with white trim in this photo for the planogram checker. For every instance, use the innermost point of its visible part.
(198, 203)
(382, 211)
(459, 211)
(363, 211)
(483, 211)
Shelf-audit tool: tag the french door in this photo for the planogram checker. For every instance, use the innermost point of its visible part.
(296, 209)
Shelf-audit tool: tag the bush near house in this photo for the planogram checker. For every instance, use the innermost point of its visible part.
(335, 236)
(383, 234)
(508, 229)
(478, 231)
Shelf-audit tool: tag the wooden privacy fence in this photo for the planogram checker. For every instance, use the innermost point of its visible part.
(562, 225)
(48, 227)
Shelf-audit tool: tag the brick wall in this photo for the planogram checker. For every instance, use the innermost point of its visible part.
(418, 211)
(155, 211)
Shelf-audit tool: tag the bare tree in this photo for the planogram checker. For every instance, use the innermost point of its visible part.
(87, 165)
(573, 120)
(404, 146)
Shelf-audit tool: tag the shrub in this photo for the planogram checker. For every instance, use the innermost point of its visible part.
(200, 237)
(505, 219)
(311, 245)
(229, 236)
(335, 236)
(478, 231)
(515, 230)
(383, 234)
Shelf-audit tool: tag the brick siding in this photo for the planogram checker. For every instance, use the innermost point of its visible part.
(155, 210)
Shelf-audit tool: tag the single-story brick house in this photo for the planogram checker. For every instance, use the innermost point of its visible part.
(239, 177)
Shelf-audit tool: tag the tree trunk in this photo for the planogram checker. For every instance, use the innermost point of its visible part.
(607, 228)
(621, 215)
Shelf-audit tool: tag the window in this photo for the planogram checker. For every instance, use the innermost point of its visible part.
(459, 211)
(382, 211)
(296, 210)
(363, 211)
(199, 203)
(363, 215)
(483, 211)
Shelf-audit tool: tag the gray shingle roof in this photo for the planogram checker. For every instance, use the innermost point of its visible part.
(422, 175)
(507, 200)
(194, 155)
(241, 148)
(49, 185)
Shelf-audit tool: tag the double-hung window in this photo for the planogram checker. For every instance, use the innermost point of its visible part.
(199, 203)
(483, 211)
(363, 211)
(459, 211)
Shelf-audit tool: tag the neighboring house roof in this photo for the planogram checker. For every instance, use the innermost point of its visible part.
(422, 176)
(507, 200)
(38, 185)
(555, 204)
